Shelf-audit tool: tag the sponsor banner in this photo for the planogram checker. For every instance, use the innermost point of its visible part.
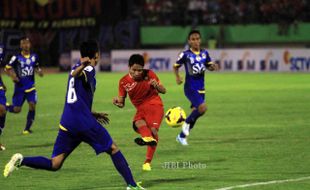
(247, 60)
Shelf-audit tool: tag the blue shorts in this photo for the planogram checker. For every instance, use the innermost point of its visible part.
(2, 97)
(97, 137)
(194, 97)
(20, 96)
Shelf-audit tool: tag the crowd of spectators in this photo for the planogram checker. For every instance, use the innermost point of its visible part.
(197, 12)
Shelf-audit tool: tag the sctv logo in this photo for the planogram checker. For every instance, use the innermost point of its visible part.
(298, 63)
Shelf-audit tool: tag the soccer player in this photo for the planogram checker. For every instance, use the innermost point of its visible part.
(143, 87)
(2, 99)
(21, 69)
(78, 123)
(195, 61)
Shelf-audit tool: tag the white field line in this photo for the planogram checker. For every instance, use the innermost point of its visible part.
(264, 183)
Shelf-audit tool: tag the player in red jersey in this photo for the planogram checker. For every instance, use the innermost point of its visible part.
(143, 87)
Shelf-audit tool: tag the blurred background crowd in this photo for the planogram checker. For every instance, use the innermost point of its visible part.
(57, 27)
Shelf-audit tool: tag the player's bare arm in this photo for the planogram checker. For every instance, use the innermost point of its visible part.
(85, 61)
(12, 74)
(213, 66)
(39, 71)
(119, 101)
(159, 87)
(178, 78)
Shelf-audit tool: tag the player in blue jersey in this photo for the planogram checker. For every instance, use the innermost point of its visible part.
(21, 69)
(196, 61)
(79, 124)
(2, 99)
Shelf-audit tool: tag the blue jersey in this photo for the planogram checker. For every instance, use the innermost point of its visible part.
(77, 115)
(195, 66)
(24, 68)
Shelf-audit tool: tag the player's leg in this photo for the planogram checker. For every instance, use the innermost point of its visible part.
(199, 108)
(150, 152)
(100, 140)
(153, 118)
(32, 100)
(17, 101)
(64, 145)
(147, 138)
(2, 115)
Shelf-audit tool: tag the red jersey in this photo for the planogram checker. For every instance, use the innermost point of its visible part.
(140, 92)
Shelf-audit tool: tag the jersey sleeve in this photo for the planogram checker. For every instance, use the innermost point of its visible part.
(181, 60)
(11, 63)
(121, 89)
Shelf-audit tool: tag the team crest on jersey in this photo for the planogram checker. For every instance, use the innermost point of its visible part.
(28, 61)
(128, 87)
(198, 58)
(204, 55)
(33, 58)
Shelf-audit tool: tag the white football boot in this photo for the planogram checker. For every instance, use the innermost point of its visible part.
(13, 164)
(182, 141)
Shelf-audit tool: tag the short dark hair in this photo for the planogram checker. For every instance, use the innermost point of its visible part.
(136, 59)
(193, 32)
(24, 38)
(89, 49)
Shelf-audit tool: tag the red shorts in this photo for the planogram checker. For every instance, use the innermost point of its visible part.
(151, 114)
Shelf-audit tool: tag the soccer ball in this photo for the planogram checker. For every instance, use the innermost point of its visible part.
(175, 117)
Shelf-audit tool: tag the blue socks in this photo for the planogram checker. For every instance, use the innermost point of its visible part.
(30, 119)
(122, 167)
(193, 116)
(37, 162)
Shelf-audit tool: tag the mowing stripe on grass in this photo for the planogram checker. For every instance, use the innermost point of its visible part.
(264, 183)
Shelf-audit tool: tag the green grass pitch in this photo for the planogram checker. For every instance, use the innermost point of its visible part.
(257, 129)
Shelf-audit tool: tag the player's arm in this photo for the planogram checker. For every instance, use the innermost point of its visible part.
(39, 71)
(211, 66)
(119, 101)
(154, 81)
(176, 72)
(181, 60)
(37, 68)
(10, 71)
(78, 71)
(159, 87)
